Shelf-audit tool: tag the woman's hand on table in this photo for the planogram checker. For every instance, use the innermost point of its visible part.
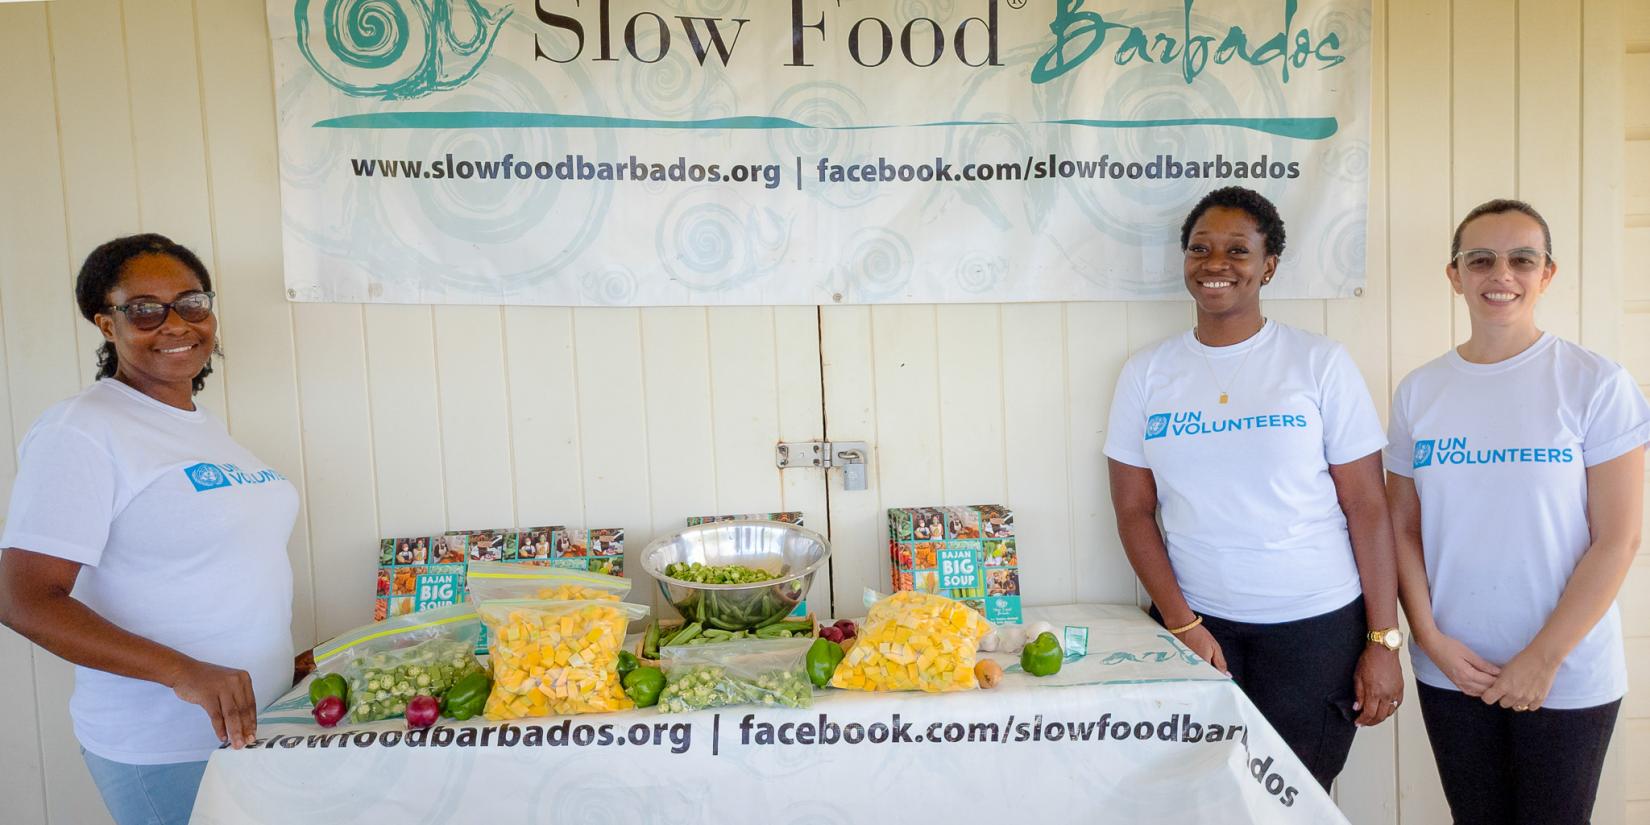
(1469, 671)
(1203, 643)
(1378, 684)
(302, 665)
(226, 696)
(1523, 683)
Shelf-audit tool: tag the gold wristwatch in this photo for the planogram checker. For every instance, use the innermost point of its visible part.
(1391, 638)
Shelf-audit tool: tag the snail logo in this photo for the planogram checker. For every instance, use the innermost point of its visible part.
(366, 53)
(206, 477)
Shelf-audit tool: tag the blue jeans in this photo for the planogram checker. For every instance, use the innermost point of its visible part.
(146, 794)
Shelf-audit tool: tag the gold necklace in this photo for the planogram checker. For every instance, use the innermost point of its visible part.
(1224, 396)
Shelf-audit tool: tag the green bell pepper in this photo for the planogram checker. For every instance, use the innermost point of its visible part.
(1042, 656)
(468, 696)
(332, 684)
(627, 663)
(823, 657)
(643, 685)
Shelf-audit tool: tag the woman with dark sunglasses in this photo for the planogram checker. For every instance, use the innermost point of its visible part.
(1515, 472)
(147, 547)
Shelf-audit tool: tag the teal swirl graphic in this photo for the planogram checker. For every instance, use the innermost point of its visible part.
(710, 241)
(614, 285)
(832, 110)
(1341, 251)
(676, 86)
(878, 264)
(1349, 162)
(373, 36)
(981, 272)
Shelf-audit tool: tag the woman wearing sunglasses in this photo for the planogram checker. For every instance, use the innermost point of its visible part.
(1516, 481)
(171, 537)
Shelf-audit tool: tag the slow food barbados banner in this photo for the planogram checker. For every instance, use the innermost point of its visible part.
(671, 152)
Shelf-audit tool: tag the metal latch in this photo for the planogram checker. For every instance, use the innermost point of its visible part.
(851, 456)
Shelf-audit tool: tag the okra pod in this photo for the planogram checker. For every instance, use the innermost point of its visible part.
(650, 641)
(687, 633)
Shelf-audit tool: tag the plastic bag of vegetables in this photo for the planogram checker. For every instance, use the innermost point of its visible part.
(388, 663)
(556, 657)
(489, 580)
(914, 641)
(745, 672)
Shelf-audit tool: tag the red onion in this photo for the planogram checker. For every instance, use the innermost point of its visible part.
(328, 712)
(422, 711)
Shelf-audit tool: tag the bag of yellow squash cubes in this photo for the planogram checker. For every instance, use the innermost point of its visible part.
(505, 580)
(914, 641)
(556, 658)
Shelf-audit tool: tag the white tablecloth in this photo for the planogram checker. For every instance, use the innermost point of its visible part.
(1139, 730)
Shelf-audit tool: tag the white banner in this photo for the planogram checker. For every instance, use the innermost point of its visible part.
(1137, 731)
(679, 152)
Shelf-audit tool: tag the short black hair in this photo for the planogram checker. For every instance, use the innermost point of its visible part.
(101, 272)
(1248, 200)
(1497, 207)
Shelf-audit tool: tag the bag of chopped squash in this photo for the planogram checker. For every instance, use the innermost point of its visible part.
(914, 641)
(555, 658)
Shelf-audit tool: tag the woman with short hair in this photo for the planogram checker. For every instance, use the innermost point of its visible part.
(1258, 445)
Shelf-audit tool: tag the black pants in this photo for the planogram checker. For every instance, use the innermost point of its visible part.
(1508, 767)
(1299, 675)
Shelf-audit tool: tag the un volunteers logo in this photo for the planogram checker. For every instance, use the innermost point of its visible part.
(206, 477)
(1157, 426)
(368, 43)
(1423, 453)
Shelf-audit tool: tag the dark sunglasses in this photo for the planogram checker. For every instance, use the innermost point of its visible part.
(193, 307)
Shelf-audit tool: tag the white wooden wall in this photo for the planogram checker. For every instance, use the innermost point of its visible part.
(1635, 353)
(128, 115)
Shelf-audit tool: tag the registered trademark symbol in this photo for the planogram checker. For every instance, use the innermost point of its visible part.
(1016, 4)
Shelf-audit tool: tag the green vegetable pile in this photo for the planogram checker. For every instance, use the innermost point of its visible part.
(709, 686)
(381, 684)
(716, 574)
(695, 633)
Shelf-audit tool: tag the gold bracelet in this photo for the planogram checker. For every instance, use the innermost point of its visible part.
(1176, 631)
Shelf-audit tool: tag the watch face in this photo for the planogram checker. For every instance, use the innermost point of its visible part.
(1392, 638)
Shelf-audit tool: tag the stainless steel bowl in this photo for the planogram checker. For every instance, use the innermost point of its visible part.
(791, 553)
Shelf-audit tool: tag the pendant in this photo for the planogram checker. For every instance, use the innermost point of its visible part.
(1223, 398)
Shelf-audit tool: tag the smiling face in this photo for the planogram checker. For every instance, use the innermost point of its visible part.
(1226, 262)
(165, 359)
(1502, 296)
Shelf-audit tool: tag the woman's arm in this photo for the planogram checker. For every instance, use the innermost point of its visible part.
(1615, 507)
(35, 601)
(1359, 490)
(1470, 672)
(1134, 498)
(1379, 682)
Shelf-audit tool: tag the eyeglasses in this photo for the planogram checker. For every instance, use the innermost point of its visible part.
(193, 307)
(1520, 261)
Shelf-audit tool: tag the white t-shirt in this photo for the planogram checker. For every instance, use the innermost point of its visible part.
(1250, 516)
(1499, 455)
(183, 536)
